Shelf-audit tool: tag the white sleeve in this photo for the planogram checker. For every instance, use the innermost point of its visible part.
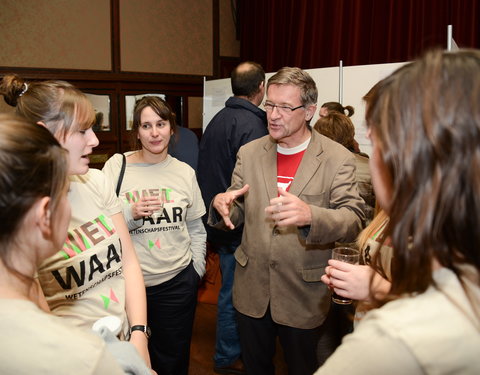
(198, 246)
(111, 169)
(104, 189)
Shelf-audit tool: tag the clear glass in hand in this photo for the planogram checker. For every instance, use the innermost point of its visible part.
(162, 198)
(348, 255)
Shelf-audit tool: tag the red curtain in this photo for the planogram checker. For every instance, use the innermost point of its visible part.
(320, 33)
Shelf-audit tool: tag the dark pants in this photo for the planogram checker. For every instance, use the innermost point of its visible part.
(171, 311)
(339, 322)
(258, 340)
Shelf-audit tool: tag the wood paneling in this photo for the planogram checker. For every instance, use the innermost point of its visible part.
(166, 36)
(55, 34)
(181, 45)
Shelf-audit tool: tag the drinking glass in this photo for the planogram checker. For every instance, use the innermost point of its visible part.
(349, 255)
(162, 197)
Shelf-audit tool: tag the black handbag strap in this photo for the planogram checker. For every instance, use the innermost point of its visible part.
(122, 172)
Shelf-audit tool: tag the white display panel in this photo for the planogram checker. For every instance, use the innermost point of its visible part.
(215, 94)
(357, 81)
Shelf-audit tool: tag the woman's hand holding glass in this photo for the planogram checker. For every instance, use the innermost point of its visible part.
(146, 206)
(348, 280)
(355, 281)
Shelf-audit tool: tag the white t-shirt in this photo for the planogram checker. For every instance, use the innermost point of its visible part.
(84, 281)
(163, 243)
(435, 332)
(34, 342)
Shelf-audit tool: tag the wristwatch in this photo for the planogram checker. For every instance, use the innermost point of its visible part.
(144, 329)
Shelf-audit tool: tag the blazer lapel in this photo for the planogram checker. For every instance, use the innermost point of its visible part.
(268, 165)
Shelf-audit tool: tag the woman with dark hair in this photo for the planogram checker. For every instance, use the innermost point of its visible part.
(164, 208)
(34, 212)
(424, 124)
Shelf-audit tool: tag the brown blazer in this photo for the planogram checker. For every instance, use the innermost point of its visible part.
(282, 266)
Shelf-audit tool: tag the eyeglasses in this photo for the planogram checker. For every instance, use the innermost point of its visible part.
(283, 109)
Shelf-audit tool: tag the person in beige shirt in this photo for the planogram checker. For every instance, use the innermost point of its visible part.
(424, 124)
(34, 212)
(96, 273)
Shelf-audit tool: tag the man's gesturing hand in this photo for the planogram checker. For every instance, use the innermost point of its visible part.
(223, 201)
(288, 209)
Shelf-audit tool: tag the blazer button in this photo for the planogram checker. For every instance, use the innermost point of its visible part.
(273, 264)
(275, 231)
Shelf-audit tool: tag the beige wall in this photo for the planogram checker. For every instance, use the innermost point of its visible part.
(55, 34)
(229, 45)
(166, 36)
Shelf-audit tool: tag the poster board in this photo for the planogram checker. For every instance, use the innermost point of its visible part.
(357, 81)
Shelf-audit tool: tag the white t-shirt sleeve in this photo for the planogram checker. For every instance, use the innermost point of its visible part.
(111, 169)
(196, 209)
(110, 201)
(198, 246)
(195, 227)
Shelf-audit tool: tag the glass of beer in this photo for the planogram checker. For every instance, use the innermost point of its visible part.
(349, 255)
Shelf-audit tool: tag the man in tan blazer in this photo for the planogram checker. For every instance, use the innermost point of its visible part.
(295, 192)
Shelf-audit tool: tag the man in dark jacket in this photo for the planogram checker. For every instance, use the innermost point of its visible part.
(240, 122)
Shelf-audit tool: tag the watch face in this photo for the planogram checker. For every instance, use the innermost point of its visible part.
(148, 332)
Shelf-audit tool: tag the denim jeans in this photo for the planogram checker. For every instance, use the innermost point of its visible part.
(227, 344)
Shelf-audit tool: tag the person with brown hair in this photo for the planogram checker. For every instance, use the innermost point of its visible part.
(340, 128)
(34, 212)
(424, 124)
(326, 108)
(164, 209)
(96, 273)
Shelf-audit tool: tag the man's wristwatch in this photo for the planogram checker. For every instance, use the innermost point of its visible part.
(144, 329)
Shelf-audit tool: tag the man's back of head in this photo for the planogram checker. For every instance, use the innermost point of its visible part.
(248, 81)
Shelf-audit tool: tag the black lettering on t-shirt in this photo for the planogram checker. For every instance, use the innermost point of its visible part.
(112, 255)
(164, 216)
(69, 273)
(99, 266)
(177, 214)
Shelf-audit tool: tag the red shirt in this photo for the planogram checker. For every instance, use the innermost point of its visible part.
(287, 164)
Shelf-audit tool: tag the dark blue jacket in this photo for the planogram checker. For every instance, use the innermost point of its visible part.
(184, 146)
(238, 123)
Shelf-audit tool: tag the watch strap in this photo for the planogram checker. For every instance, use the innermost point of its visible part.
(144, 329)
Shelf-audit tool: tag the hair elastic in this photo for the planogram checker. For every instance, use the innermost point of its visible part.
(24, 89)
